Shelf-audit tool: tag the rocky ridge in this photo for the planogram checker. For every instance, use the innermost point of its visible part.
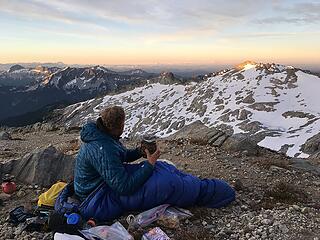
(27, 92)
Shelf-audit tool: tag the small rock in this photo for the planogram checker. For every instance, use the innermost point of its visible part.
(222, 235)
(209, 226)
(283, 228)
(266, 221)
(251, 226)
(244, 207)
(274, 168)
(238, 185)
(21, 193)
(5, 136)
(296, 207)
(4, 197)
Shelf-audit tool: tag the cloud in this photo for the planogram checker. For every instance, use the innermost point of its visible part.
(154, 21)
(166, 16)
(272, 34)
(298, 13)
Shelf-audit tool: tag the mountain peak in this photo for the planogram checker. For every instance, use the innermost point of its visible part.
(246, 65)
(41, 68)
(15, 68)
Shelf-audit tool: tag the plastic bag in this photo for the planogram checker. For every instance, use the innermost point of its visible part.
(145, 218)
(155, 234)
(64, 236)
(114, 232)
(172, 216)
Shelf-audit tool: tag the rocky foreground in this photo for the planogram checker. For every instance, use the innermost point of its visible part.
(277, 197)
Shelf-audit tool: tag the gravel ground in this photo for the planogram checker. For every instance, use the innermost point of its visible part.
(274, 201)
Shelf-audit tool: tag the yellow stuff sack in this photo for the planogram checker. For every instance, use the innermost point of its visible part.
(49, 197)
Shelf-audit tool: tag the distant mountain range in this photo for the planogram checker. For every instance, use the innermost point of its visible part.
(277, 106)
(27, 94)
(7, 66)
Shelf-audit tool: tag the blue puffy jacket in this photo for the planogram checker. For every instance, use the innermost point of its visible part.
(101, 159)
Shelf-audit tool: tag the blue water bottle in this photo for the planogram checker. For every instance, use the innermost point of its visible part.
(73, 219)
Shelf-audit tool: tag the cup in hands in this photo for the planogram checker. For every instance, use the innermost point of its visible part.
(152, 158)
(148, 142)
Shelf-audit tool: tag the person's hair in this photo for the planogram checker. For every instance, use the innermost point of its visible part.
(112, 117)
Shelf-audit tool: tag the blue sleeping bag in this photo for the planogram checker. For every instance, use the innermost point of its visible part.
(167, 185)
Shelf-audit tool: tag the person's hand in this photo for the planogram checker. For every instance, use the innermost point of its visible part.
(143, 153)
(152, 158)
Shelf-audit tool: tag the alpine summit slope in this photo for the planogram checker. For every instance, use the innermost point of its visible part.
(276, 104)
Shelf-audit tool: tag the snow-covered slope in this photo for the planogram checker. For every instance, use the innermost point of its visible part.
(94, 79)
(278, 105)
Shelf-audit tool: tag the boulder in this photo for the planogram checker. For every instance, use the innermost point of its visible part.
(5, 136)
(220, 140)
(36, 126)
(315, 155)
(44, 167)
(243, 114)
(216, 136)
(312, 146)
(6, 166)
(249, 99)
(250, 127)
(194, 131)
(199, 133)
(241, 142)
(48, 127)
(303, 164)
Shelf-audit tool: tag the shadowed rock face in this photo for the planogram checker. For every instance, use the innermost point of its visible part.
(304, 165)
(241, 142)
(7, 166)
(198, 133)
(44, 167)
(5, 136)
(312, 146)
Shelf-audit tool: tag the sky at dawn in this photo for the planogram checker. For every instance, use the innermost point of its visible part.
(160, 32)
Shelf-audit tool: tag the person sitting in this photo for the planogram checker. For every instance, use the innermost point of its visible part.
(109, 184)
(102, 157)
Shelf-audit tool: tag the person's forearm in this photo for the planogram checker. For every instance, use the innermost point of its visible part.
(127, 184)
(132, 155)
